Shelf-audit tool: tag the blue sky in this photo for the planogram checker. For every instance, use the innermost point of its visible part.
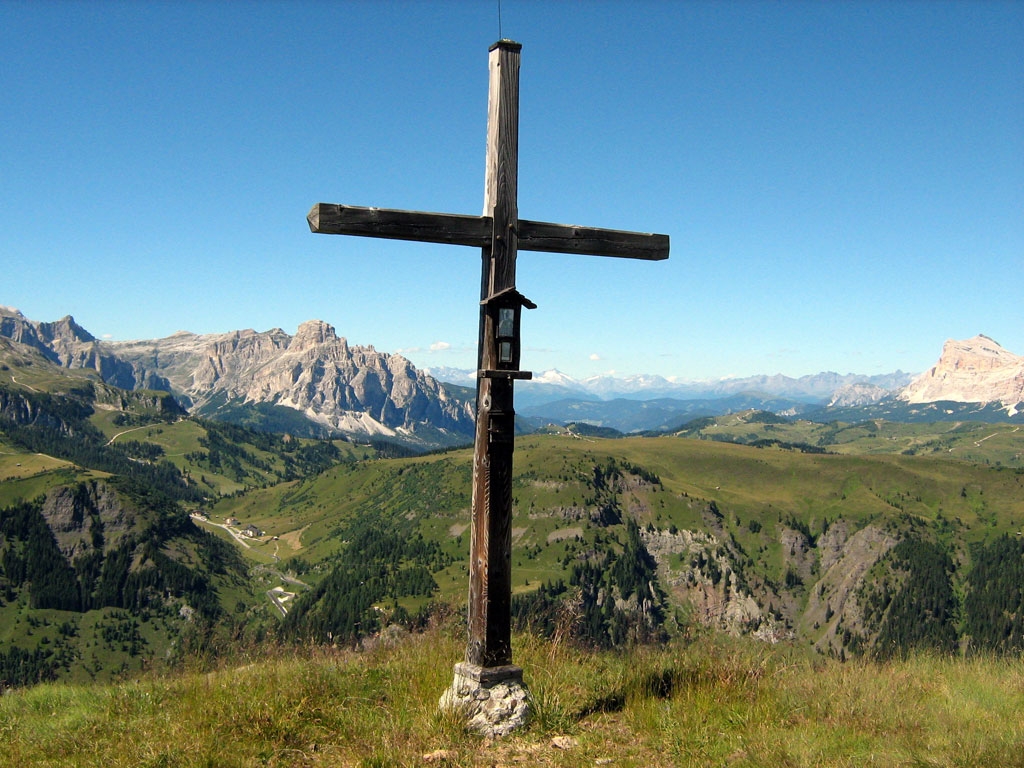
(843, 182)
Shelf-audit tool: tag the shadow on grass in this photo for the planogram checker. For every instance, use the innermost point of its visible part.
(653, 684)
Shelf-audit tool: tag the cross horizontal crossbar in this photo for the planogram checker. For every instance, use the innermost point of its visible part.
(457, 229)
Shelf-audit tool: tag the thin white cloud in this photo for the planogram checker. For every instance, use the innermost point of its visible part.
(440, 346)
(595, 356)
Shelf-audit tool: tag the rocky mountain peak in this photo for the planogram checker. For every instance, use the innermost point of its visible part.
(977, 353)
(975, 370)
(313, 332)
(64, 330)
(860, 393)
(16, 327)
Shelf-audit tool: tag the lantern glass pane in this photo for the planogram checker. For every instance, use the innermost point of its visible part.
(505, 352)
(506, 322)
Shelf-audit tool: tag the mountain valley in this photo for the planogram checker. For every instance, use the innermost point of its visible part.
(133, 531)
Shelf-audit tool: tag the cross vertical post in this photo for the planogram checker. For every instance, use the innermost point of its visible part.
(490, 548)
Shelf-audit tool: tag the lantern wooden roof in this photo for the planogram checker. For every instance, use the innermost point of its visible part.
(508, 297)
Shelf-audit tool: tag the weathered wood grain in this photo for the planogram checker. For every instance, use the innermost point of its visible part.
(448, 228)
(477, 231)
(490, 546)
(501, 177)
(591, 241)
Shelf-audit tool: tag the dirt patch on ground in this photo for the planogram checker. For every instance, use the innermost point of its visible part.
(564, 533)
(294, 538)
(457, 529)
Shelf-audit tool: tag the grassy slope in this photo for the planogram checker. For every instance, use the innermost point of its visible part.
(182, 438)
(100, 643)
(714, 702)
(23, 367)
(750, 485)
(990, 444)
(26, 476)
(552, 473)
(757, 490)
(104, 642)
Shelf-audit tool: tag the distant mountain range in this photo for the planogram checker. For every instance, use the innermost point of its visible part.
(975, 379)
(821, 388)
(315, 383)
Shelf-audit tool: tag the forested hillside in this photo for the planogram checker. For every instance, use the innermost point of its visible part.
(103, 582)
(102, 571)
(850, 554)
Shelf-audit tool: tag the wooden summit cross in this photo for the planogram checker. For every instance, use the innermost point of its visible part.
(500, 233)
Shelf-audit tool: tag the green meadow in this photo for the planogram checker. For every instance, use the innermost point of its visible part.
(710, 701)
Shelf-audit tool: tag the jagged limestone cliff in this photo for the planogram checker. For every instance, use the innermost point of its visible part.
(314, 374)
(976, 370)
(350, 389)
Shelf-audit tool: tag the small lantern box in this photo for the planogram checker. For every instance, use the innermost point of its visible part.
(504, 312)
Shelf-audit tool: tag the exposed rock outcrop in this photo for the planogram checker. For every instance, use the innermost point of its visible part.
(316, 372)
(344, 389)
(86, 517)
(976, 370)
(69, 345)
(698, 570)
(845, 559)
(857, 394)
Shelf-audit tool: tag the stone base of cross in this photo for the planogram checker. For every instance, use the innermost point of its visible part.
(493, 701)
(487, 688)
